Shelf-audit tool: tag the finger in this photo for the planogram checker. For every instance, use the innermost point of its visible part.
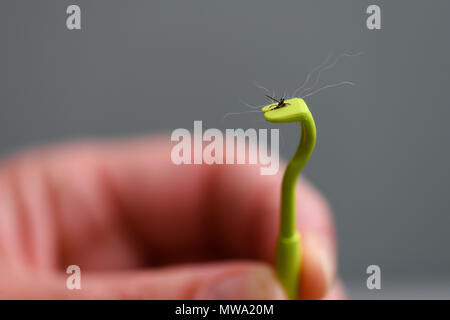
(317, 270)
(113, 201)
(238, 280)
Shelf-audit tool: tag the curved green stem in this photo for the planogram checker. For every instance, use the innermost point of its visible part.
(289, 249)
(293, 169)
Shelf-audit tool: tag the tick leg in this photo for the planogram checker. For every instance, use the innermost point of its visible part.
(273, 99)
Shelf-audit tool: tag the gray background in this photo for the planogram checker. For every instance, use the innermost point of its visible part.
(382, 156)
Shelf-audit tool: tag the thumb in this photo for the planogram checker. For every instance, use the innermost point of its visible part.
(231, 280)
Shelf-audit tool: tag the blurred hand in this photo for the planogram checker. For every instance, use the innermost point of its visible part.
(141, 227)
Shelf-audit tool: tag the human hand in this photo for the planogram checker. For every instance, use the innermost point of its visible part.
(141, 227)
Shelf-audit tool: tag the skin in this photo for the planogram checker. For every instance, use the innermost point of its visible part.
(110, 207)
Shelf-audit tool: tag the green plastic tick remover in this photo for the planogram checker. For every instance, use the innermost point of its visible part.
(289, 253)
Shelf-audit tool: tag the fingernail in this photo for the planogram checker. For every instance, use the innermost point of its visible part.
(255, 284)
(327, 262)
(319, 262)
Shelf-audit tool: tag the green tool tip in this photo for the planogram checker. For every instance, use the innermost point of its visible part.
(293, 110)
